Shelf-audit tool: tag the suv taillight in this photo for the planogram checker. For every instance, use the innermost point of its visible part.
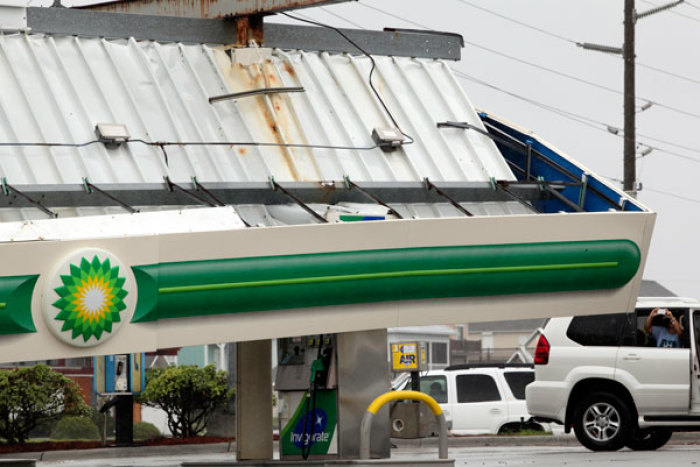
(542, 351)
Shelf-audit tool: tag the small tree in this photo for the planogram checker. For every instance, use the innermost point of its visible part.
(32, 395)
(187, 394)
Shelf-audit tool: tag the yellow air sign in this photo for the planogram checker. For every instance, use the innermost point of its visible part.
(407, 356)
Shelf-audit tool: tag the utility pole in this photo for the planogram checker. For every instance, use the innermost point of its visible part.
(629, 182)
(630, 150)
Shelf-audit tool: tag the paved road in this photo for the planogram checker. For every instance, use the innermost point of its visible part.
(490, 456)
(569, 456)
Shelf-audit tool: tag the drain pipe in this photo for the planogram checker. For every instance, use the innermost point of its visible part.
(366, 424)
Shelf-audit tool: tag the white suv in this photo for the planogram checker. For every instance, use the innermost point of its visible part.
(603, 375)
(481, 399)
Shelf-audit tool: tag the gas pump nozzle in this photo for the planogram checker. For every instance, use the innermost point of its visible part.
(317, 372)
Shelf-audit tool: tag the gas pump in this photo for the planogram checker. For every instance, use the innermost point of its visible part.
(325, 384)
(307, 385)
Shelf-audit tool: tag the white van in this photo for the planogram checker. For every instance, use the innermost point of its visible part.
(606, 377)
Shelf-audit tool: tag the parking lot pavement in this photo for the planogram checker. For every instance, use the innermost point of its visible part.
(465, 449)
(483, 456)
(555, 456)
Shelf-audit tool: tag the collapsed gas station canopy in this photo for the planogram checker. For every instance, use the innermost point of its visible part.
(166, 193)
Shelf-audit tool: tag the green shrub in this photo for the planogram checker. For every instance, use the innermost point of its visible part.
(145, 431)
(188, 395)
(33, 395)
(75, 428)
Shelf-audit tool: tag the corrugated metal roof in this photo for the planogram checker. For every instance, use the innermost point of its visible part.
(55, 89)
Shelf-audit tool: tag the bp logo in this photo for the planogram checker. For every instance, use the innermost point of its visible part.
(88, 297)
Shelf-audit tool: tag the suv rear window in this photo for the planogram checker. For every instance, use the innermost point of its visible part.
(597, 330)
(517, 380)
(477, 388)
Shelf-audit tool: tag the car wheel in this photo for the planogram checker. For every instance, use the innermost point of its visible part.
(649, 439)
(602, 422)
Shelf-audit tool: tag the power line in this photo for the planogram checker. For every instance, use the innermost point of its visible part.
(661, 192)
(595, 124)
(672, 195)
(598, 125)
(549, 70)
(512, 20)
(666, 72)
(401, 18)
(343, 18)
(564, 113)
(571, 41)
(675, 12)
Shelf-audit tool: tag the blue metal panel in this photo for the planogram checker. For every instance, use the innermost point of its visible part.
(555, 167)
(109, 372)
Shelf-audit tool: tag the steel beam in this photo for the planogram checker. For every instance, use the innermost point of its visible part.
(159, 194)
(400, 43)
(206, 9)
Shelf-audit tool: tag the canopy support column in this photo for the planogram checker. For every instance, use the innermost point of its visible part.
(254, 400)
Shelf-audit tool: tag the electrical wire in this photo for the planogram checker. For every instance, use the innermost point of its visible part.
(598, 125)
(673, 12)
(371, 71)
(583, 81)
(551, 70)
(571, 41)
(672, 195)
(343, 18)
(193, 143)
(665, 72)
(595, 124)
(512, 20)
(401, 18)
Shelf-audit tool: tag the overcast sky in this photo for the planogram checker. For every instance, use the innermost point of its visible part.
(526, 49)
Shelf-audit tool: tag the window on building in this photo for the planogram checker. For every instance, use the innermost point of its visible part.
(476, 388)
(439, 353)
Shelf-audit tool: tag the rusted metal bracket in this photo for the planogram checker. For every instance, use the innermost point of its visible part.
(9, 190)
(431, 186)
(90, 188)
(304, 206)
(350, 184)
(174, 186)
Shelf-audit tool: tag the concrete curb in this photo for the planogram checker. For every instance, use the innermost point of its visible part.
(685, 438)
(124, 452)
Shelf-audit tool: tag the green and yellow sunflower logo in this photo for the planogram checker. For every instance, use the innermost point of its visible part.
(88, 297)
(91, 298)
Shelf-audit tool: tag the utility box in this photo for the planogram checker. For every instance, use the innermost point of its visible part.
(119, 374)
